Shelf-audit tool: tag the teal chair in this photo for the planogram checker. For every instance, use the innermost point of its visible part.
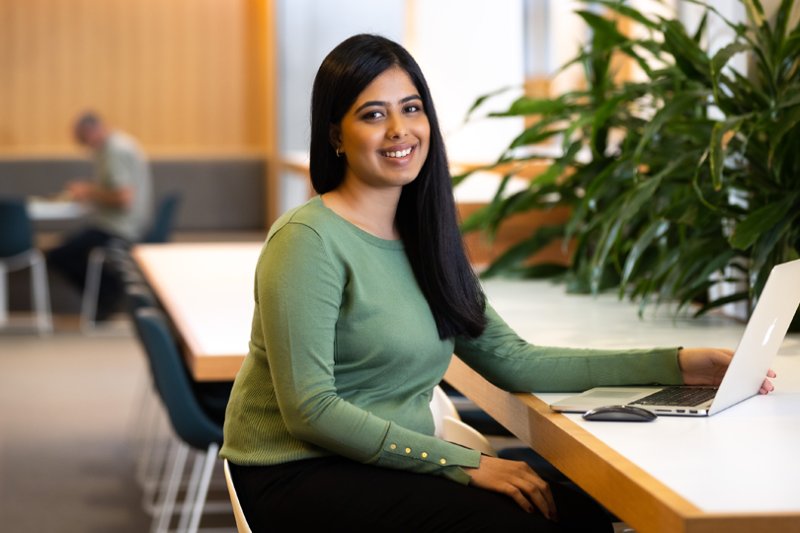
(17, 252)
(193, 426)
(138, 295)
(146, 420)
(165, 219)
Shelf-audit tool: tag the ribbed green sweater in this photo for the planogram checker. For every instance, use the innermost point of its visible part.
(344, 354)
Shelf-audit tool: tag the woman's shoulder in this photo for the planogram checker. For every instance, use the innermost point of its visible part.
(312, 215)
(300, 237)
(315, 224)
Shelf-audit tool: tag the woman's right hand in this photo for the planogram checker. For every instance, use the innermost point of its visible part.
(517, 480)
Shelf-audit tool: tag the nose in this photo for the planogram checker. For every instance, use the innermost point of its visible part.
(398, 128)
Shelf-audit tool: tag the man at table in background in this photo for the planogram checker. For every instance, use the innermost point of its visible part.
(120, 195)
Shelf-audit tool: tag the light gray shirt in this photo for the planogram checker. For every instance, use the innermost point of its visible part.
(121, 163)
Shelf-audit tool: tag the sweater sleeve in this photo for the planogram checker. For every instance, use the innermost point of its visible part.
(512, 364)
(120, 167)
(299, 293)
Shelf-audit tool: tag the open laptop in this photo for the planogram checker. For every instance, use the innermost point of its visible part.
(757, 348)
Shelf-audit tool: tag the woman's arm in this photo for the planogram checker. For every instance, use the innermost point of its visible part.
(299, 292)
(513, 364)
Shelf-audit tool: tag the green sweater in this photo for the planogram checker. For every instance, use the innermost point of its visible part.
(344, 354)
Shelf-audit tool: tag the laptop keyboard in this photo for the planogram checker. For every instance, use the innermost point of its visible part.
(678, 396)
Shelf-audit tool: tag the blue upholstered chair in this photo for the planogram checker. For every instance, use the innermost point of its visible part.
(138, 295)
(145, 422)
(165, 220)
(17, 252)
(188, 418)
(117, 254)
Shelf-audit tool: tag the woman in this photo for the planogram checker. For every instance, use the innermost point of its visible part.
(362, 294)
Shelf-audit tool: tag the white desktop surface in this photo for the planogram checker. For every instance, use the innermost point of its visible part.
(744, 459)
(43, 209)
(207, 290)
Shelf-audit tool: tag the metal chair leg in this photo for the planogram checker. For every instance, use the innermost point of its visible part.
(91, 292)
(157, 461)
(3, 295)
(41, 293)
(140, 411)
(170, 488)
(148, 440)
(205, 481)
(191, 492)
(158, 465)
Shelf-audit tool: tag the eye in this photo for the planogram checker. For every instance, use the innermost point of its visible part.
(372, 115)
(412, 108)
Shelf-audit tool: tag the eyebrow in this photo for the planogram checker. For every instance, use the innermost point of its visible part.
(386, 104)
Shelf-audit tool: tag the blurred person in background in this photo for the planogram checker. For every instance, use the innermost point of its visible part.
(120, 198)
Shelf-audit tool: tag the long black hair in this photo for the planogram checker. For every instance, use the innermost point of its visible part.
(426, 214)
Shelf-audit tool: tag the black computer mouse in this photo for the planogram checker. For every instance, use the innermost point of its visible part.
(620, 413)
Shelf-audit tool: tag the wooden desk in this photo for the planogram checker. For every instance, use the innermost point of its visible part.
(738, 471)
(207, 290)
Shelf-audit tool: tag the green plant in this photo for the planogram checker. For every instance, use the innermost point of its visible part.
(689, 172)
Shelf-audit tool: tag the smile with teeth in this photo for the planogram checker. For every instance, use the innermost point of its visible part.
(401, 153)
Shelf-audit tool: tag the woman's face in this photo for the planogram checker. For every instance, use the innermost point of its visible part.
(385, 135)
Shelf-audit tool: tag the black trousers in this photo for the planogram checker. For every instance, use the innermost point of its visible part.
(334, 494)
(72, 258)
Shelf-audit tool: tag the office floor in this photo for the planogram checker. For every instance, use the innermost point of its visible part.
(66, 406)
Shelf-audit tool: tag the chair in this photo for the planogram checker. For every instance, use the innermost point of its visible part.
(191, 424)
(449, 427)
(241, 521)
(165, 218)
(145, 419)
(17, 252)
(138, 295)
(117, 253)
(458, 432)
(441, 406)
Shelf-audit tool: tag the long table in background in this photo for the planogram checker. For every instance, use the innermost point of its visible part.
(207, 291)
(738, 471)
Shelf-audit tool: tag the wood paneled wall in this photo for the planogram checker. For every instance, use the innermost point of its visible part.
(182, 76)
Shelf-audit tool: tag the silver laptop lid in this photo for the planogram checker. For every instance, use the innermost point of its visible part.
(762, 337)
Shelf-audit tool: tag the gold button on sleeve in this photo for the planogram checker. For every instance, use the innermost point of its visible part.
(408, 450)
(424, 455)
(393, 446)
(442, 461)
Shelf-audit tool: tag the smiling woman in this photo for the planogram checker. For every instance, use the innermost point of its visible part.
(385, 142)
(362, 295)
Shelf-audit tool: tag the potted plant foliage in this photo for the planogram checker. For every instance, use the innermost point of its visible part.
(694, 171)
